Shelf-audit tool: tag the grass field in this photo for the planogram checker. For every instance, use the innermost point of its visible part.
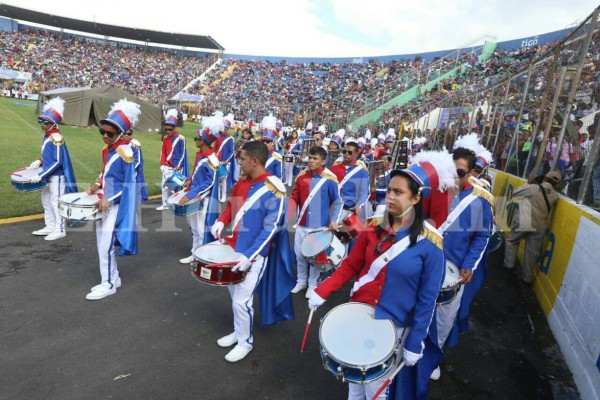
(20, 141)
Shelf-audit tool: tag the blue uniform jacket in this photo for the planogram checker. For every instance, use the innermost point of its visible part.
(56, 160)
(326, 206)
(204, 175)
(274, 164)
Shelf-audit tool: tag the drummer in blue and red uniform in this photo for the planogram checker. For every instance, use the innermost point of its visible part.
(353, 178)
(225, 151)
(173, 156)
(317, 198)
(136, 146)
(269, 135)
(399, 269)
(56, 167)
(118, 193)
(203, 185)
(257, 208)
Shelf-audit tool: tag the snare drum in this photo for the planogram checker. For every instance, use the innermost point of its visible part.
(20, 180)
(451, 284)
(323, 250)
(191, 207)
(356, 347)
(175, 182)
(209, 266)
(78, 206)
(289, 158)
(350, 228)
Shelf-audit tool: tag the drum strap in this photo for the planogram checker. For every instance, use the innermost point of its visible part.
(248, 205)
(381, 261)
(456, 212)
(311, 195)
(348, 176)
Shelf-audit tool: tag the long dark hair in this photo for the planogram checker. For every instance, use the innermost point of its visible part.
(418, 219)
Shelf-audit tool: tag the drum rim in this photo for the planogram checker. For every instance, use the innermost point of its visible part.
(192, 201)
(328, 245)
(215, 243)
(453, 284)
(79, 205)
(393, 351)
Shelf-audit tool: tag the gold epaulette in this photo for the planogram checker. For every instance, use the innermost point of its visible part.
(362, 164)
(375, 221)
(432, 234)
(57, 139)
(276, 156)
(300, 173)
(125, 153)
(481, 192)
(104, 148)
(327, 174)
(135, 143)
(213, 162)
(337, 162)
(275, 185)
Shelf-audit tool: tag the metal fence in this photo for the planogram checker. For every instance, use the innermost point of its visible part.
(541, 118)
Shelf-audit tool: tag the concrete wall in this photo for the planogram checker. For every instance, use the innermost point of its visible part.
(567, 282)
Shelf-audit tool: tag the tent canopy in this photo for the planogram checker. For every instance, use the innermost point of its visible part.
(86, 107)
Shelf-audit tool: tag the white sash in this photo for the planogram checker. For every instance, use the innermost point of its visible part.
(247, 205)
(348, 176)
(456, 212)
(381, 261)
(221, 148)
(311, 195)
(269, 161)
(173, 148)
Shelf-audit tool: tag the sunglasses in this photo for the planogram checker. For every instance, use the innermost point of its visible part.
(169, 128)
(107, 133)
(349, 152)
(197, 139)
(128, 133)
(43, 121)
(461, 173)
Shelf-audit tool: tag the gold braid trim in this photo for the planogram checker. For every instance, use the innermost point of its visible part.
(330, 175)
(56, 142)
(276, 156)
(278, 193)
(433, 236)
(128, 158)
(481, 192)
(375, 221)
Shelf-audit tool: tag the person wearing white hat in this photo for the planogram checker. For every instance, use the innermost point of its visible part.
(173, 155)
(56, 168)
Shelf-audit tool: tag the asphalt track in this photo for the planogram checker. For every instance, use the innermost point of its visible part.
(155, 339)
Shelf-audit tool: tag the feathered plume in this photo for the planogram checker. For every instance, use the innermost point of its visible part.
(322, 129)
(269, 122)
(171, 113)
(442, 162)
(470, 141)
(309, 126)
(368, 135)
(391, 132)
(57, 104)
(341, 133)
(131, 110)
(419, 141)
(213, 123)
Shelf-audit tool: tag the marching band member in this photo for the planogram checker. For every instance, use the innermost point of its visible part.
(56, 167)
(380, 149)
(224, 150)
(279, 139)
(246, 137)
(293, 147)
(257, 210)
(118, 194)
(136, 146)
(353, 178)
(390, 139)
(466, 231)
(319, 138)
(203, 184)
(399, 269)
(336, 141)
(319, 205)
(173, 156)
(269, 134)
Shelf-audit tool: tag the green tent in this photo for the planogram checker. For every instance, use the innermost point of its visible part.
(86, 106)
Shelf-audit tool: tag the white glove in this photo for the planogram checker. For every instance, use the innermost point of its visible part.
(243, 265)
(35, 178)
(35, 164)
(411, 358)
(166, 170)
(315, 300)
(217, 228)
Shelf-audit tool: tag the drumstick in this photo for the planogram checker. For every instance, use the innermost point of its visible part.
(306, 330)
(388, 380)
(83, 218)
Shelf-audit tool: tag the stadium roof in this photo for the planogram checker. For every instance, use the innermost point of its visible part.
(142, 35)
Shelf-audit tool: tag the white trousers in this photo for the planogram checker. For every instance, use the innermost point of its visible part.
(197, 221)
(242, 295)
(446, 314)
(302, 264)
(105, 241)
(288, 174)
(166, 193)
(236, 171)
(50, 195)
(366, 392)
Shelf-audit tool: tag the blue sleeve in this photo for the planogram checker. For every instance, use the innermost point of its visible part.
(50, 159)
(431, 280)
(275, 208)
(482, 220)
(227, 152)
(202, 181)
(178, 153)
(335, 209)
(362, 188)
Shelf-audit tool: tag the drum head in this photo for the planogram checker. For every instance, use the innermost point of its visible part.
(452, 277)
(216, 252)
(83, 199)
(351, 336)
(175, 197)
(24, 175)
(315, 242)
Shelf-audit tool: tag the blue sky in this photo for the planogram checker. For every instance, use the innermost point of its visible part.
(331, 28)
